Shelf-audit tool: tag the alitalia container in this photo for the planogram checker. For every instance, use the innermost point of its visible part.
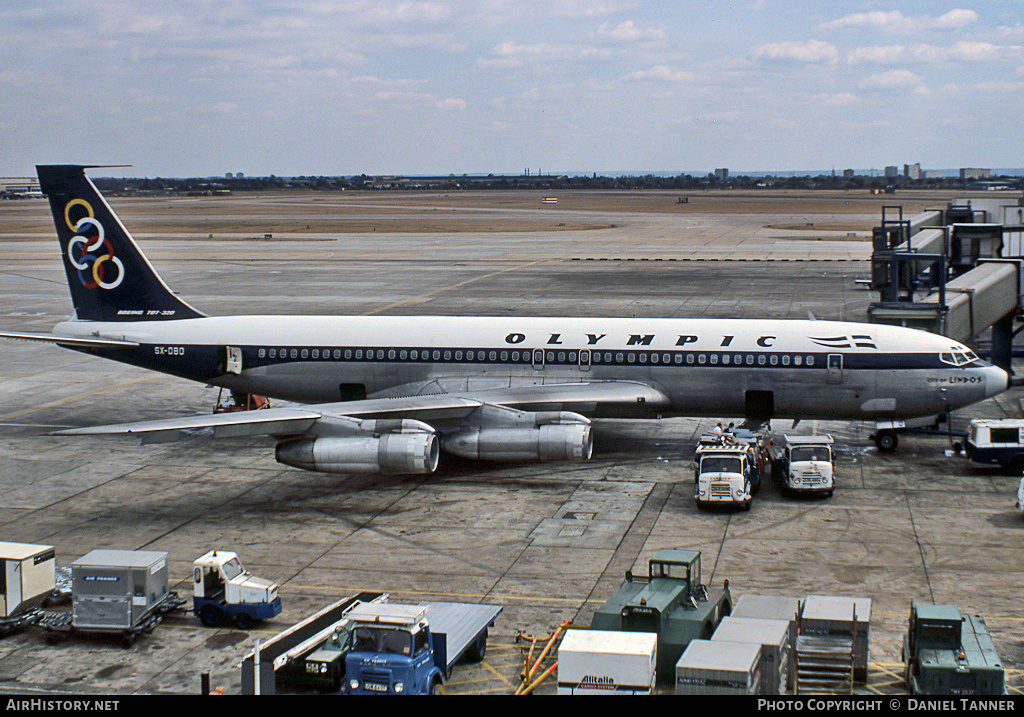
(772, 636)
(603, 662)
(27, 576)
(117, 589)
(711, 667)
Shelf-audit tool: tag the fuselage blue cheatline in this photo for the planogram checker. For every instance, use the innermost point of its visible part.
(385, 393)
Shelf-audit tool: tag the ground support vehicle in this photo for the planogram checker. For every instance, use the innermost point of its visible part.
(725, 475)
(946, 653)
(223, 590)
(411, 649)
(996, 441)
(806, 465)
(886, 435)
(1020, 495)
(671, 602)
(122, 592)
(282, 661)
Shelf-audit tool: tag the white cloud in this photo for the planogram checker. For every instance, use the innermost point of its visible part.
(879, 55)
(896, 21)
(812, 51)
(628, 31)
(963, 51)
(452, 104)
(661, 73)
(891, 80)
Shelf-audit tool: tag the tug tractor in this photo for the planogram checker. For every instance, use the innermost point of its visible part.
(223, 590)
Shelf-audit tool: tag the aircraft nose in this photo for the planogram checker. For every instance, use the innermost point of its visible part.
(996, 381)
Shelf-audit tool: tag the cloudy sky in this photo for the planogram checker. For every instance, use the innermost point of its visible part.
(445, 86)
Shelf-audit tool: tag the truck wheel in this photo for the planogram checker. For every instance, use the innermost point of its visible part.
(434, 685)
(210, 616)
(886, 441)
(478, 649)
(243, 621)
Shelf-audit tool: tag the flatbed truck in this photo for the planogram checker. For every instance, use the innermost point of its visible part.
(412, 649)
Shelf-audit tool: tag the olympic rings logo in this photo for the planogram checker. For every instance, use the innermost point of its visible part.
(89, 250)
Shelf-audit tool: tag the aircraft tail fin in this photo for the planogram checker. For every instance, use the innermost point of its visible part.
(109, 277)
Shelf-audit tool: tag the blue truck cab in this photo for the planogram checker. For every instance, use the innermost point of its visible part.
(411, 649)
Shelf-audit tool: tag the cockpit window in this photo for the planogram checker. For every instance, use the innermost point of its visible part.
(958, 356)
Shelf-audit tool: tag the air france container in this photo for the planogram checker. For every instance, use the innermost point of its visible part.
(831, 617)
(772, 636)
(719, 668)
(27, 576)
(602, 662)
(117, 589)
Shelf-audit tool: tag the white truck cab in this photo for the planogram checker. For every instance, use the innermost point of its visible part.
(724, 476)
(223, 588)
(808, 465)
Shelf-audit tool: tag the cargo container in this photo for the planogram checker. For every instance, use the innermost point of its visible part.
(834, 623)
(772, 636)
(27, 576)
(708, 667)
(773, 607)
(116, 591)
(601, 662)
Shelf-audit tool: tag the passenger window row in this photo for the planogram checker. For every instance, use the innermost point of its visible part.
(550, 357)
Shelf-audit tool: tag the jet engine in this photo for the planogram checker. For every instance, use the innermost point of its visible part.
(390, 453)
(562, 436)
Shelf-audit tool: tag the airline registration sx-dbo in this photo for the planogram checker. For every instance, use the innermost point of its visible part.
(384, 394)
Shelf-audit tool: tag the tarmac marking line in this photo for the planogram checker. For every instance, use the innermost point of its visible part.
(75, 398)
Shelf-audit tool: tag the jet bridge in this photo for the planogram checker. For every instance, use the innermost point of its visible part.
(952, 271)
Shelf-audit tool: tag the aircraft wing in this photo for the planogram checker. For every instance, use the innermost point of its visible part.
(82, 343)
(580, 397)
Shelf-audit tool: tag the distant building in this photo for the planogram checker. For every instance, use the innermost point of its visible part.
(912, 171)
(19, 185)
(975, 173)
(229, 175)
(892, 172)
(722, 175)
(931, 174)
(849, 174)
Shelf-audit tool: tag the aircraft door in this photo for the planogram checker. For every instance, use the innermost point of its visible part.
(835, 368)
(538, 359)
(584, 359)
(234, 359)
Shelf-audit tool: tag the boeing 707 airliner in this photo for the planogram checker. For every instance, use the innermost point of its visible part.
(385, 394)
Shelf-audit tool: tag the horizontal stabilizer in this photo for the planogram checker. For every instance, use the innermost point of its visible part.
(76, 342)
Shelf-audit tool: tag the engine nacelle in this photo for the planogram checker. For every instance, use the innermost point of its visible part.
(552, 442)
(390, 453)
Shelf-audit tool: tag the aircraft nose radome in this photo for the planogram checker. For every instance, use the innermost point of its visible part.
(996, 381)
